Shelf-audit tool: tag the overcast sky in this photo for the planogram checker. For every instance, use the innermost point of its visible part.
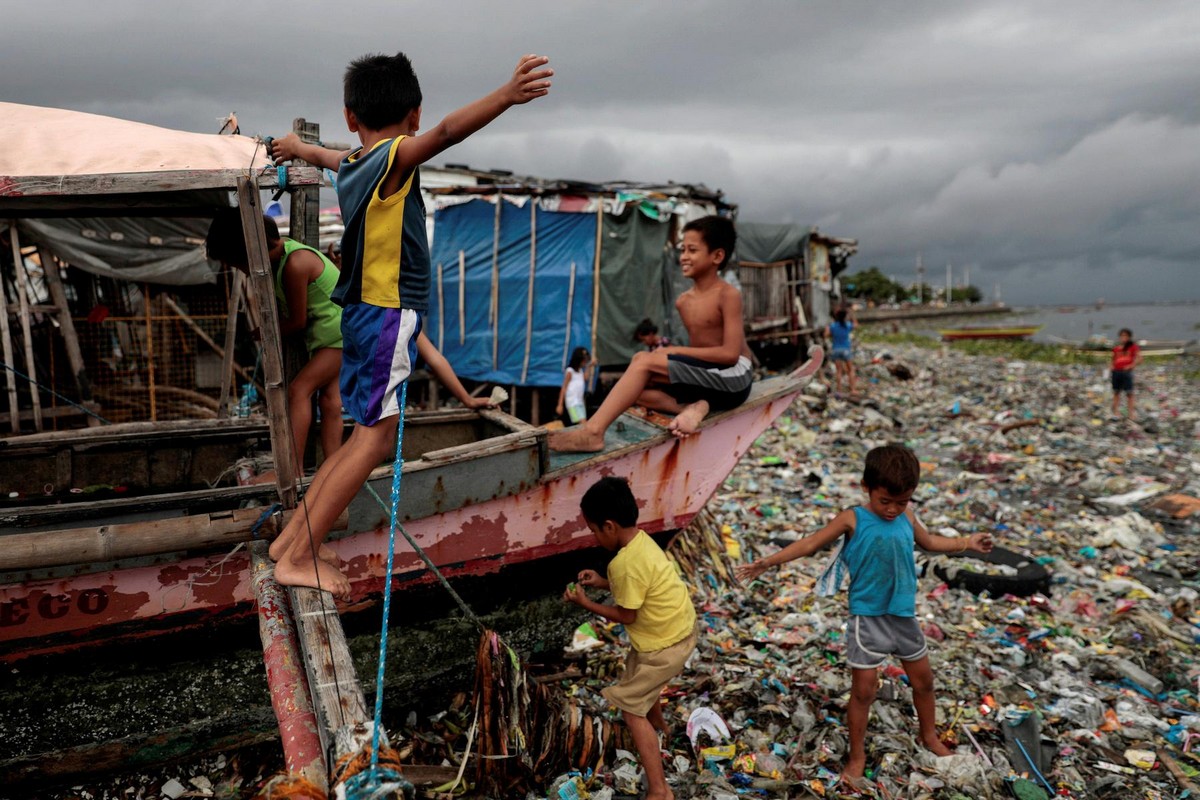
(1052, 147)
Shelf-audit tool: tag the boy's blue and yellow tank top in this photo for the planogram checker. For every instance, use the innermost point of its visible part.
(883, 570)
(385, 249)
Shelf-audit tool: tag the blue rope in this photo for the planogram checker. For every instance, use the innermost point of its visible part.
(70, 402)
(397, 471)
(262, 519)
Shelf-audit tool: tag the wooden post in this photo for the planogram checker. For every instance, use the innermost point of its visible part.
(10, 379)
(304, 223)
(596, 274)
(150, 377)
(51, 268)
(462, 304)
(22, 287)
(529, 296)
(228, 380)
(570, 306)
(494, 314)
(441, 307)
(275, 390)
(535, 413)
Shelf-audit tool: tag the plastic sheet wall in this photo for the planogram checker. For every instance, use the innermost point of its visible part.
(635, 283)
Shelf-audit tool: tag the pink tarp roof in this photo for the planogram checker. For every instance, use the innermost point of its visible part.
(53, 141)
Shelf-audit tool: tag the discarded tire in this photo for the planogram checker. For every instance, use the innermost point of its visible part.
(1030, 578)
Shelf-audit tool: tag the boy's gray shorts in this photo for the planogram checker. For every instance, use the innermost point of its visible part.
(870, 640)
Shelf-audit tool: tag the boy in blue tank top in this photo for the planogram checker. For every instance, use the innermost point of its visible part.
(878, 555)
(384, 282)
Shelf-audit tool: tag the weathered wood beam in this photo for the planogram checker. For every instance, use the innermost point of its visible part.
(131, 539)
(227, 362)
(286, 468)
(337, 696)
(24, 186)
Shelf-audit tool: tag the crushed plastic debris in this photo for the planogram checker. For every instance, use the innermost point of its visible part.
(1065, 666)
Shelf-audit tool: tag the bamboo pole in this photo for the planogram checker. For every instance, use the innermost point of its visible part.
(227, 362)
(462, 300)
(494, 313)
(290, 697)
(249, 200)
(51, 269)
(150, 352)
(529, 296)
(10, 380)
(441, 307)
(22, 287)
(570, 307)
(24, 551)
(596, 275)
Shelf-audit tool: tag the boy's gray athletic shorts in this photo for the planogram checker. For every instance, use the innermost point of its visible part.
(870, 640)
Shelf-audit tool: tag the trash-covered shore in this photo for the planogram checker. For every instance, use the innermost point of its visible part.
(1083, 663)
(1074, 674)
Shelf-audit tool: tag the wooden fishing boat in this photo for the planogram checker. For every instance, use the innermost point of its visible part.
(1010, 332)
(480, 492)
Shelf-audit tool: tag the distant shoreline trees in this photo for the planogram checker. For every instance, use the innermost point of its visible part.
(872, 285)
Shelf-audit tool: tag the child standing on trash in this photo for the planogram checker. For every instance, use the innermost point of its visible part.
(841, 352)
(1126, 356)
(877, 552)
(384, 284)
(653, 604)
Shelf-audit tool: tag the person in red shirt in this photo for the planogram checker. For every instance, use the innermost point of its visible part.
(1126, 356)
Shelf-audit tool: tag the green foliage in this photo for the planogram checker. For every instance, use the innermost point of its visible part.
(872, 284)
(965, 294)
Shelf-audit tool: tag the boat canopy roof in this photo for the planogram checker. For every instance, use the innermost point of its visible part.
(120, 198)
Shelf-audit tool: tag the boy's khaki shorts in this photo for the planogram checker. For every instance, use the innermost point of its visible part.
(646, 674)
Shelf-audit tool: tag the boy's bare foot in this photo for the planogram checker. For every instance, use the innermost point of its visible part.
(854, 784)
(326, 554)
(576, 439)
(936, 746)
(687, 421)
(279, 546)
(667, 794)
(316, 574)
(854, 769)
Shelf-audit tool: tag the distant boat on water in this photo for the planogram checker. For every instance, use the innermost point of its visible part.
(980, 332)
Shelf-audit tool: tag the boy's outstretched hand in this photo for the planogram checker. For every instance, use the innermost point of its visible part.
(980, 542)
(528, 82)
(284, 148)
(748, 572)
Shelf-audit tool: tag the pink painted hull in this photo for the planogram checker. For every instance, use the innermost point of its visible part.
(672, 480)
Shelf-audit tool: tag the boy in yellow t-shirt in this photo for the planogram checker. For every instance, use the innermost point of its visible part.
(654, 606)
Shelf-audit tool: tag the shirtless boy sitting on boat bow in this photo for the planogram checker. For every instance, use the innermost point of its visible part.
(713, 374)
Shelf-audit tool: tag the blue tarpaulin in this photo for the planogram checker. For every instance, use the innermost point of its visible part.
(484, 349)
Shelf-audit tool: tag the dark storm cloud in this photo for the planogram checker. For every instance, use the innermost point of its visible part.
(1051, 147)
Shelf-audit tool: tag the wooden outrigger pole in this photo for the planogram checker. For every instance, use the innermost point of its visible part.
(339, 710)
